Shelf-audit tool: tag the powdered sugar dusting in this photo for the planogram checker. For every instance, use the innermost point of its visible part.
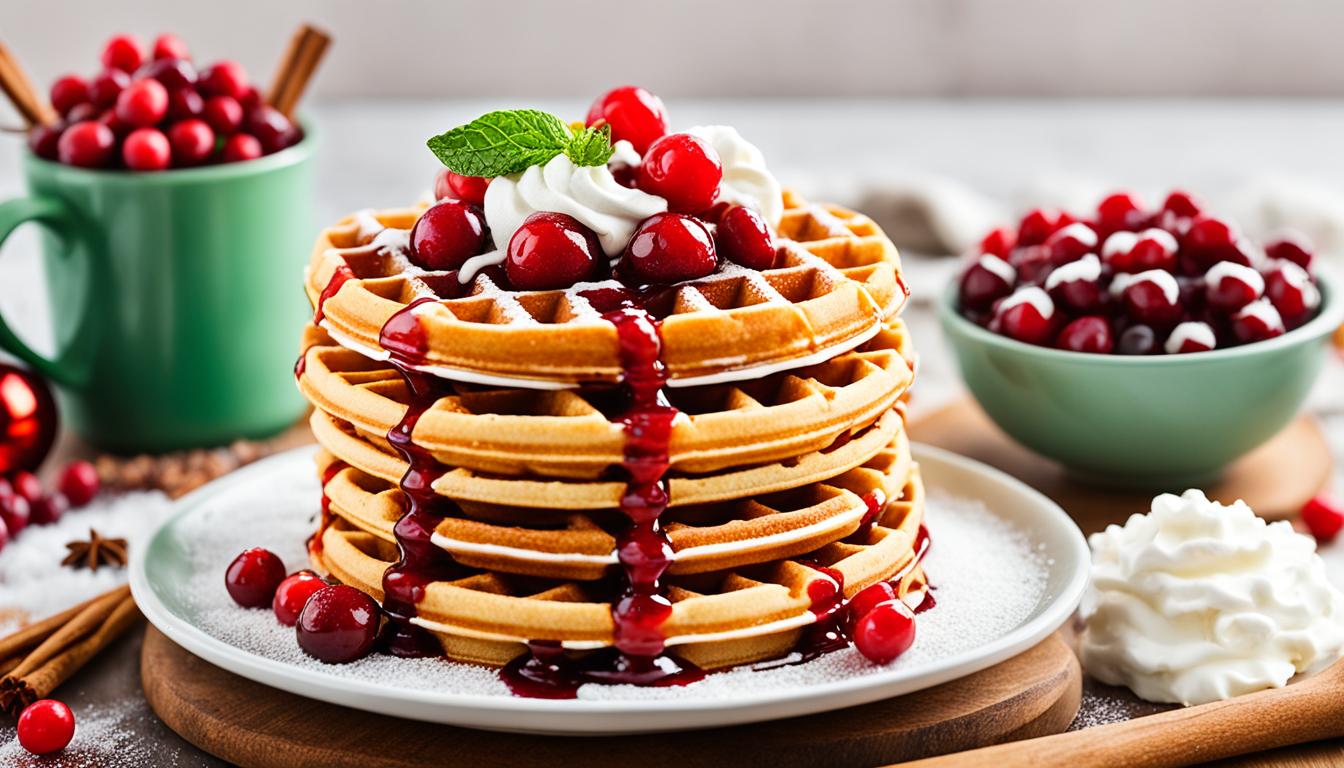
(105, 737)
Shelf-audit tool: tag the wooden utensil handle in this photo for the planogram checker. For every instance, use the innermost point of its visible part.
(1300, 713)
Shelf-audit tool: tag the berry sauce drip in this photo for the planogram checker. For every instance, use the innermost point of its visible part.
(339, 277)
(876, 501)
(324, 522)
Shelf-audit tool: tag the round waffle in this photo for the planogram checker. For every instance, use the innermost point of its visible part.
(838, 279)
(736, 615)
(568, 433)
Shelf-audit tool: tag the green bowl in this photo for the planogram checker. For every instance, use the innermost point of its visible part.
(1164, 421)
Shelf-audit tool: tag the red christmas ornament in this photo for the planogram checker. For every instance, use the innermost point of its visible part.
(27, 419)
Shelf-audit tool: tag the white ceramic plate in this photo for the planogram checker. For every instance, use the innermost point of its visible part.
(172, 559)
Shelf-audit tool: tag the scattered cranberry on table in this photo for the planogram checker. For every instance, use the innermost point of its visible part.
(1133, 280)
(338, 624)
(885, 632)
(253, 577)
(1324, 517)
(46, 726)
(79, 483)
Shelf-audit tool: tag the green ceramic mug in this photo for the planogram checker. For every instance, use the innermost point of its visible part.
(174, 296)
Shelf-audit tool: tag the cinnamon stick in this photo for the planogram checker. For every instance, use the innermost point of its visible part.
(19, 88)
(20, 643)
(302, 56)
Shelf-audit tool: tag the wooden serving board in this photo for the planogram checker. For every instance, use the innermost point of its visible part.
(254, 726)
(1276, 479)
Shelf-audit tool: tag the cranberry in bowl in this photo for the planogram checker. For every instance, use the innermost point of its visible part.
(1140, 345)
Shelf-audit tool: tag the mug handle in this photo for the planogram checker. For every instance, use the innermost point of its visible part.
(54, 214)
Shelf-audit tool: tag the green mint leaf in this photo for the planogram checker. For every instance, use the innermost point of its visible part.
(590, 146)
(503, 142)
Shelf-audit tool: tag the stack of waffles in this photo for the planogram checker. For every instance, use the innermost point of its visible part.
(654, 481)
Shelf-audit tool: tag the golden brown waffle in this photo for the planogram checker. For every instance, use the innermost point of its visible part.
(719, 617)
(566, 433)
(838, 279)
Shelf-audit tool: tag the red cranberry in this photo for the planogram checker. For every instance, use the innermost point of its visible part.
(184, 104)
(1027, 315)
(467, 188)
(292, 593)
(634, 114)
(79, 483)
(442, 189)
(146, 149)
(69, 92)
(1137, 340)
(1032, 263)
(1290, 290)
(46, 726)
(107, 86)
(15, 511)
(44, 141)
(144, 103)
(1121, 210)
(1292, 247)
(172, 73)
(1153, 298)
(885, 632)
(338, 624)
(551, 250)
(224, 78)
(744, 238)
(27, 485)
(1257, 321)
(1152, 249)
(1207, 242)
(123, 52)
(240, 147)
(223, 113)
(88, 144)
(253, 577)
(446, 235)
(192, 141)
(83, 113)
(1071, 243)
(48, 509)
(4, 535)
(1191, 337)
(1077, 285)
(999, 242)
(275, 131)
(251, 99)
(869, 598)
(1230, 286)
(1041, 224)
(119, 127)
(1089, 333)
(669, 248)
(170, 46)
(684, 170)
(1183, 204)
(1324, 517)
(987, 279)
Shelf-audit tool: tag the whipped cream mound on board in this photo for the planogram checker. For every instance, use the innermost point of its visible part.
(1197, 602)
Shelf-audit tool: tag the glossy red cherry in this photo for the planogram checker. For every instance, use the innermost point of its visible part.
(1152, 249)
(999, 242)
(44, 141)
(470, 189)
(1230, 286)
(172, 73)
(224, 78)
(170, 46)
(1294, 248)
(223, 113)
(292, 593)
(1324, 517)
(27, 485)
(275, 131)
(744, 238)
(985, 281)
(1089, 333)
(1077, 285)
(1257, 321)
(89, 144)
(107, 86)
(48, 510)
(338, 624)
(253, 577)
(14, 512)
(123, 52)
(634, 114)
(1121, 210)
(1153, 298)
(1033, 264)
(867, 599)
(668, 248)
(549, 251)
(69, 92)
(1208, 241)
(1192, 336)
(193, 141)
(144, 103)
(684, 170)
(46, 726)
(446, 235)
(184, 104)
(146, 149)
(1027, 315)
(240, 147)
(1040, 224)
(119, 127)
(1070, 243)
(1291, 291)
(1183, 204)
(1137, 340)
(885, 632)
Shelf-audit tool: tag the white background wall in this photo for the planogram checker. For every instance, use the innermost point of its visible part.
(708, 48)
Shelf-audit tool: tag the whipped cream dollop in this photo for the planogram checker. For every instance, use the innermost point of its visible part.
(590, 194)
(1197, 602)
(746, 180)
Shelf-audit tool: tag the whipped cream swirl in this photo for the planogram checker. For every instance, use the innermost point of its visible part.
(746, 180)
(590, 194)
(1198, 602)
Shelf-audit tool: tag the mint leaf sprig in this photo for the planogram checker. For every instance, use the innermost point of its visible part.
(509, 141)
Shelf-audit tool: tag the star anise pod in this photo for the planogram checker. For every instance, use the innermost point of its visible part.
(95, 552)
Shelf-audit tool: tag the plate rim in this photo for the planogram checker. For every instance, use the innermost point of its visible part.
(345, 691)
